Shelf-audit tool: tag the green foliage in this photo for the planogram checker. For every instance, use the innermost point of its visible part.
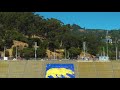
(6, 53)
(74, 52)
(27, 53)
(14, 51)
(52, 34)
(41, 52)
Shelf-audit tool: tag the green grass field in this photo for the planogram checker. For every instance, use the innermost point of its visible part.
(36, 69)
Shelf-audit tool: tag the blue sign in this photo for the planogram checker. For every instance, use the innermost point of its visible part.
(60, 71)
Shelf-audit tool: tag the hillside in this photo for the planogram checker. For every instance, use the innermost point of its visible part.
(28, 27)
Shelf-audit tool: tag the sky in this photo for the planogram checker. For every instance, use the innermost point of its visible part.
(89, 20)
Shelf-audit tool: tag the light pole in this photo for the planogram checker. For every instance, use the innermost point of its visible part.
(54, 54)
(116, 53)
(16, 52)
(65, 53)
(107, 48)
(84, 47)
(4, 48)
(103, 51)
(116, 42)
(4, 51)
(68, 55)
(107, 40)
(35, 50)
(119, 54)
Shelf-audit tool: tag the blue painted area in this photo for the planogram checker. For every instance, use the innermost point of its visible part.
(72, 76)
(50, 76)
(66, 66)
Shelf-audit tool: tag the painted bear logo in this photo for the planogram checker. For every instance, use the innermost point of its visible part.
(59, 73)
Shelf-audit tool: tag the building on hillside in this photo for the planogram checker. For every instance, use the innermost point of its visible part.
(109, 40)
(103, 58)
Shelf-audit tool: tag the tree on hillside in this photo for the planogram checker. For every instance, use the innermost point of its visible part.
(27, 53)
(74, 52)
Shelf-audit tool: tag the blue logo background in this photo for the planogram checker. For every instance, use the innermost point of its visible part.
(66, 66)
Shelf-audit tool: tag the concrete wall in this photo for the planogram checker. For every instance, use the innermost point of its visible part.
(36, 69)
